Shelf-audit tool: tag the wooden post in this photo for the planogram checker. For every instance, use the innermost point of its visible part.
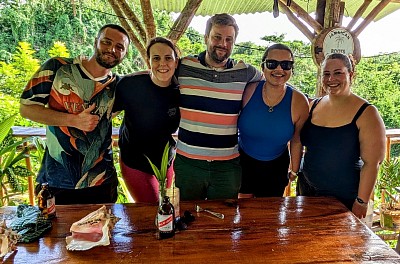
(30, 178)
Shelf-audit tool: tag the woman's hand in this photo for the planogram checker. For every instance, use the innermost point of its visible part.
(359, 210)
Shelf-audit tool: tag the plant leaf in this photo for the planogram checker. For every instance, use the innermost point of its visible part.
(5, 126)
(164, 161)
(9, 148)
(156, 171)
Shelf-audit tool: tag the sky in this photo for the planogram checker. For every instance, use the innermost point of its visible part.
(375, 39)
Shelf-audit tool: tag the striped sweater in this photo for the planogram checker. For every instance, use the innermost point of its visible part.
(210, 104)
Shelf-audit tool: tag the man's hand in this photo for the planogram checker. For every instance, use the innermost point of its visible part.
(86, 121)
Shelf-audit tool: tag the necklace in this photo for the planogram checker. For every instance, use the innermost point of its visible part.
(267, 100)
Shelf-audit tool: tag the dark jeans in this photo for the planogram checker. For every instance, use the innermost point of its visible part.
(105, 193)
(202, 179)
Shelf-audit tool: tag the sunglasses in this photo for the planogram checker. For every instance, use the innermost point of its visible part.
(273, 64)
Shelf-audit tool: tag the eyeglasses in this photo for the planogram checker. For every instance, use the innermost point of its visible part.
(273, 64)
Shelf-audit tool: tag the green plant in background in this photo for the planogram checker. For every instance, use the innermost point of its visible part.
(59, 50)
(12, 173)
(388, 177)
(161, 173)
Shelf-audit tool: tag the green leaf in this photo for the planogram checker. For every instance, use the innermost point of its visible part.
(22, 171)
(161, 174)
(164, 161)
(5, 127)
(13, 180)
(9, 148)
(9, 159)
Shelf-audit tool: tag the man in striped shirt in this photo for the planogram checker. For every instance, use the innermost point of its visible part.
(211, 86)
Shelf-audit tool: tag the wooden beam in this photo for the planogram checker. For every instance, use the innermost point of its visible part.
(342, 5)
(292, 18)
(371, 16)
(358, 14)
(184, 19)
(303, 15)
(332, 9)
(148, 19)
(137, 25)
(320, 12)
(123, 20)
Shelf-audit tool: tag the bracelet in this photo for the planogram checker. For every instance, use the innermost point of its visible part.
(294, 173)
(361, 202)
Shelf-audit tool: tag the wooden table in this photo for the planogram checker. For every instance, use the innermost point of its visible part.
(263, 230)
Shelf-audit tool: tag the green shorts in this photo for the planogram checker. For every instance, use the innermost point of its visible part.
(202, 179)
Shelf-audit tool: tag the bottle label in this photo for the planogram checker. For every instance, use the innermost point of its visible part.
(165, 223)
(51, 206)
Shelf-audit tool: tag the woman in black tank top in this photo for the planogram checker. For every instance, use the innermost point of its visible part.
(344, 139)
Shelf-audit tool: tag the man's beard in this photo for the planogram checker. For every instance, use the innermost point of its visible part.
(212, 52)
(104, 63)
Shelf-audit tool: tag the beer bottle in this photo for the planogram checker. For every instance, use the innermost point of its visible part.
(166, 219)
(46, 202)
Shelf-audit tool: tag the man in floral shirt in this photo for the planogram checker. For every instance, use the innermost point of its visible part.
(74, 98)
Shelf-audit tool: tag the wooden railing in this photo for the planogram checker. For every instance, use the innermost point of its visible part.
(392, 137)
(24, 132)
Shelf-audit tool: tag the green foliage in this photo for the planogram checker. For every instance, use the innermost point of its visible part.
(16, 74)
(59, 50)
(388, 177)
(12, 171)
(378, 81)
(188, 47)
(161, 173)
(249, 52)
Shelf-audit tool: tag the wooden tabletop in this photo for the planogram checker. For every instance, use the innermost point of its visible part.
(263, 230)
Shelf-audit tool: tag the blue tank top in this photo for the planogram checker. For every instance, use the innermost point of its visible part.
(332, 160)
(264, 135)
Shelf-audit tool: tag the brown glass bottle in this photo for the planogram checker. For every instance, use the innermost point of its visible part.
(165, 219)
(46, 202)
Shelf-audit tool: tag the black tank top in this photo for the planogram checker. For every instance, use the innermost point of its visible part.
(332, 161)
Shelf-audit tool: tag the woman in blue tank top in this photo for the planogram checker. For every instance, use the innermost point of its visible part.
(272, 115)
(344, 137)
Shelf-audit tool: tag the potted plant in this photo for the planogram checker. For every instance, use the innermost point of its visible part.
(161, 175)
(11, 172)
(388, 181)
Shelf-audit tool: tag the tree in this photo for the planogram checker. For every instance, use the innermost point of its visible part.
(59, 50)
(17, 73)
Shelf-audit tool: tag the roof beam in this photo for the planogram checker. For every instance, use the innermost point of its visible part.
(295, 8)
(148, 19)
(292, 18)
(358, 14)
(123, 20)
(371, 16)
(184, 19)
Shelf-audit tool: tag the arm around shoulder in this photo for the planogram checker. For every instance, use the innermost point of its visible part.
(248, 92)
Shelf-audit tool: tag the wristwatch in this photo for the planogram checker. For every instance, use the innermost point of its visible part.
(361, 201)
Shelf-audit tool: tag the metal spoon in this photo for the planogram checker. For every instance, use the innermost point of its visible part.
(199, 209)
